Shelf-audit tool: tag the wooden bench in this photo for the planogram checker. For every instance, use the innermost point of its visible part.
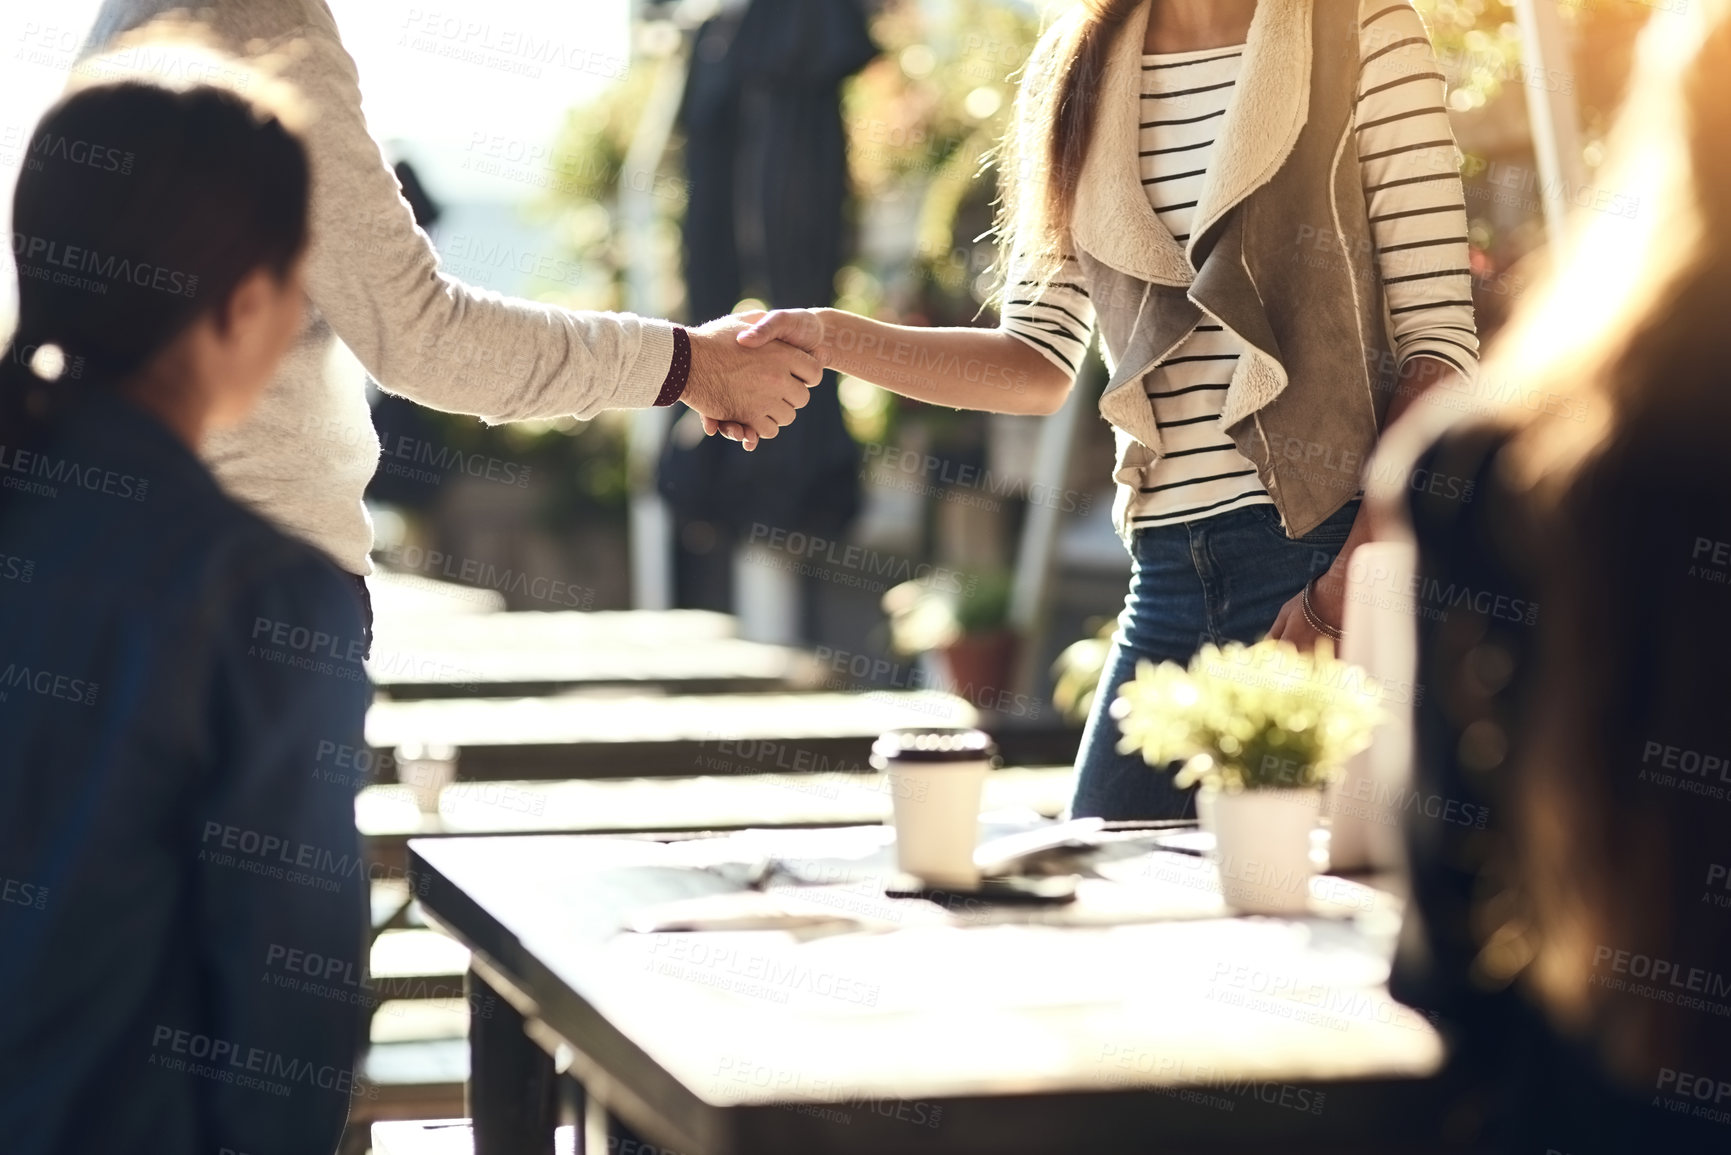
(400, 596)
(436, 1068)
(527, 654)
(416, 1067)
(596, 736)
(547, 630)
(446, 1137)
(416, 963)
(407, 1081)
(388, 817)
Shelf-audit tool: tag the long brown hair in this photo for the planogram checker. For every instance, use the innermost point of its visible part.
(1629, 348)
(1040, 160)
(143, 205)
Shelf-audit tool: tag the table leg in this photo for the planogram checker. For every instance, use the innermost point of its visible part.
(512, 1094)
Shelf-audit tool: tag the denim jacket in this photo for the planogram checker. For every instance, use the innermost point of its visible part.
(177, 680)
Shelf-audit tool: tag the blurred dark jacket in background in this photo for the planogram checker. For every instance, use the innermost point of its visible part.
(766, 157)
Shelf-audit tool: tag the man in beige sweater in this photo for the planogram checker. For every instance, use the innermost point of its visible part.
(379, 304)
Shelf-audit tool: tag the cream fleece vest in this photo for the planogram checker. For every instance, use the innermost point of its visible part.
(1282, 257)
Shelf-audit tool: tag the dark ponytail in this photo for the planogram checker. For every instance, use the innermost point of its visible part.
(140, 209)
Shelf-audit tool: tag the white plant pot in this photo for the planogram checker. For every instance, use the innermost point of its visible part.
(1205, 796)
(1262, 848)
(1364, 806)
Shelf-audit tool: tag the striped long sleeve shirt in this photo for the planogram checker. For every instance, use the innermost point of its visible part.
(1410, 170)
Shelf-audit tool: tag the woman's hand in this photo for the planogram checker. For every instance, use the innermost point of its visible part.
(1290, 624)
(1327, 594)
(801, 328)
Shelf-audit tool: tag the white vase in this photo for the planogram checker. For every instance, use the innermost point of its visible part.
(1364, 806)
(1205, 796)
(1262, 848)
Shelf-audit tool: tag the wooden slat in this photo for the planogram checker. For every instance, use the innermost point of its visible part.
(420, 1021)
(390, 900)
(388, 817)
(446, 1137)
(411, 1080)
(549, 630)
(398, 597)
(589, 736)
(518, 654)
(434, 1065)
(417, 964)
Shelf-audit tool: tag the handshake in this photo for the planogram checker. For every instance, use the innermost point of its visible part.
(752, 372)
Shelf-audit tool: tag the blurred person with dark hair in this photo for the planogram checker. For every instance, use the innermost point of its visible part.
(173, 669)
(380, 305)
(1579, 950)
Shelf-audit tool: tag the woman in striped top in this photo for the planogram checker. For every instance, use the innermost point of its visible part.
(1234, 312)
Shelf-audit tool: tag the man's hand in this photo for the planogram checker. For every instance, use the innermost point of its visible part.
(801, 328)
(755, 391)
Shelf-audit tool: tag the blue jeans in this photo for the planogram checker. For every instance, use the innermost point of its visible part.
(1218, 579)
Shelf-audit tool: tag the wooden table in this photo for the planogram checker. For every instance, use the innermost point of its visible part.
(388, 816)
(419, 655)
(640, 735)
(1141, 1018)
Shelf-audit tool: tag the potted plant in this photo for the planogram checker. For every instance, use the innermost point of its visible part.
(1262, 729)
(1076, 673)
(963, 621)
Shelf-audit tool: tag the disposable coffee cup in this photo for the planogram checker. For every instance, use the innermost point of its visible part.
(935, 779)
(426, 771)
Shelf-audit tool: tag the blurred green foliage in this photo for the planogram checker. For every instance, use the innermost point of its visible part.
(1077, 671)
(1477, 45)
(580, 467)
(583, 199)
(922, 123)
(928, 614)
(923, 120)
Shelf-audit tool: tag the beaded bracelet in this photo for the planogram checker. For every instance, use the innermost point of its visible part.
(1314, 618)
(678, 373)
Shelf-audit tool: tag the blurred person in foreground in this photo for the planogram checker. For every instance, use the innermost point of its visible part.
(1579, 951)
(381, 305)
(173, 831)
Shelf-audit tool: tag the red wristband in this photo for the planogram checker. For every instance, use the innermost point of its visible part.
(678, 373)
